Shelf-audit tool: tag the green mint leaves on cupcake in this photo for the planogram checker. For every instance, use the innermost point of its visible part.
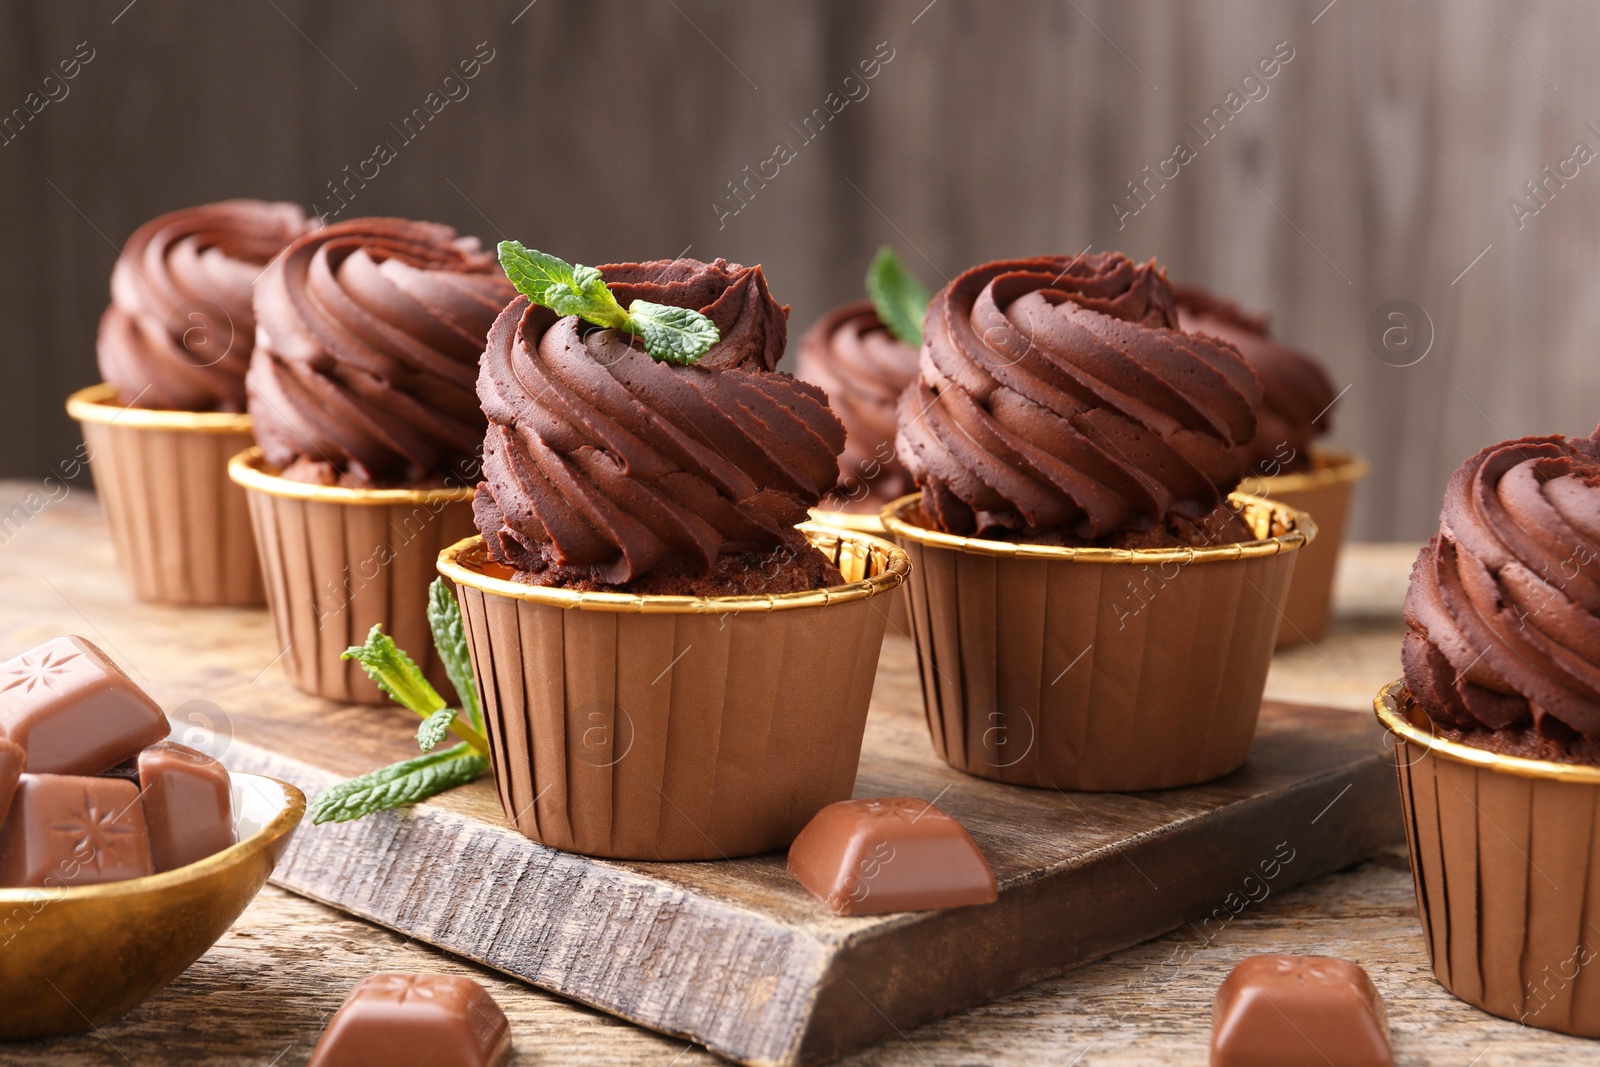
(397, 674)
(670, 334)
(897, 296)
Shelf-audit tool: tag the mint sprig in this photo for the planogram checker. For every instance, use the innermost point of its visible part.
(397, 674)
(897, 296)
(670, 334)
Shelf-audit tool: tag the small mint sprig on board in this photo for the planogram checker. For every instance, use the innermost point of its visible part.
(397, 674)
(897, 296)
(670, 334)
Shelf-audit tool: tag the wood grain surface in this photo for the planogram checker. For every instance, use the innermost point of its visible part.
(1379, 165)
(734, 953)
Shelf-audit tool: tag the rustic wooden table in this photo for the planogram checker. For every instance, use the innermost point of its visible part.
(264, 992)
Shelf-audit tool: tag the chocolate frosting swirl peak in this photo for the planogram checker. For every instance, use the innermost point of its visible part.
(604, 465)
(368, 338)
(1503, 611)
(178, 332)
(1058, 399)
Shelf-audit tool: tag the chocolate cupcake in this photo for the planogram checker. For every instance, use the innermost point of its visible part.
(1285, 462)
(669, 668)
(864, 368)
(361, 393)
(1496, 725)
(173, 348)
(1076, 452)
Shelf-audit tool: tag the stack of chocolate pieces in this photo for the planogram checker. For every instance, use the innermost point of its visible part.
(90, 791)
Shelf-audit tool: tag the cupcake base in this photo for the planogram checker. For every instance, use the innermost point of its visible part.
(337, 561)
(180, 527)
(1096, 669)
(674, 727)
(1503, 852)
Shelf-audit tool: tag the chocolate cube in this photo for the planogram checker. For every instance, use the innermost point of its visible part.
(188, 804)
(11, 760)
(865, 857)
(73, 710)
(1299, 1011)
(69, 831)
(415, 1020)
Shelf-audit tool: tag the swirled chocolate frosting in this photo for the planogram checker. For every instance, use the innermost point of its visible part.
(367, 345)
(1503, 611)
(1296, 391)
(1058, 402)
(605, 469)
(178, 332)
(863, 368)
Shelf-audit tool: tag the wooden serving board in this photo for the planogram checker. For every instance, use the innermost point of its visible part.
(732, 954)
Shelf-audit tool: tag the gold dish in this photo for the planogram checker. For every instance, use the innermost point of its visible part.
(76, 957)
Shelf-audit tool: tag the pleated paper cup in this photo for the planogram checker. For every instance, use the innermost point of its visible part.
(181, 529)
(897, 606)
(1502, 851)
(1096, 669)
(675, 727)
(338, 561)
(1324, 493)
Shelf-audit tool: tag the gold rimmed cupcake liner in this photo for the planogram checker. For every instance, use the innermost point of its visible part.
(899, 605)
(181, 529)
(1324, 493)
(1096, 669)
(337, 561)
(674, 727)
(1503, 853)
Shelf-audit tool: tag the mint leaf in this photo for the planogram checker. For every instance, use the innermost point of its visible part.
(395, 672)
(435, 728)
(672, 334)
(399, 784)
(450, 639)
(897, 296)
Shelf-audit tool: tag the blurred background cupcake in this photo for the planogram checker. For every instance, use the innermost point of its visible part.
(864, 363)
(1496, 725)
(360, 390)
(1091, 609)
(1286, 463)
(173, 348)
(669, 668)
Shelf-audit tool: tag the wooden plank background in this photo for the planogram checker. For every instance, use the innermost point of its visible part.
(1377, 167)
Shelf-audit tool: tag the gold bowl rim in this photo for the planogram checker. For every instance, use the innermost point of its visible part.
(96, 403)
(867, 522)
(1303, 529)
(453, 565)
(1339, 468)
(293, 809)
(1387, 707)
(249, 469)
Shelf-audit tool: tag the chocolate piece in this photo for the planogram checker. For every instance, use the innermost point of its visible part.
(865, 857)
(69, 830)
(1299, 1011)
(188, 804)
(73, 710)
(415, 1020)
(12, 759)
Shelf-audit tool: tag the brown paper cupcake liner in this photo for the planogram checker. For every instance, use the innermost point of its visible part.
(337, 561)
(1502, 851)
(897, 605)
(1324, 494)
(672, 727)
(1096, 669)
(181, 529)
